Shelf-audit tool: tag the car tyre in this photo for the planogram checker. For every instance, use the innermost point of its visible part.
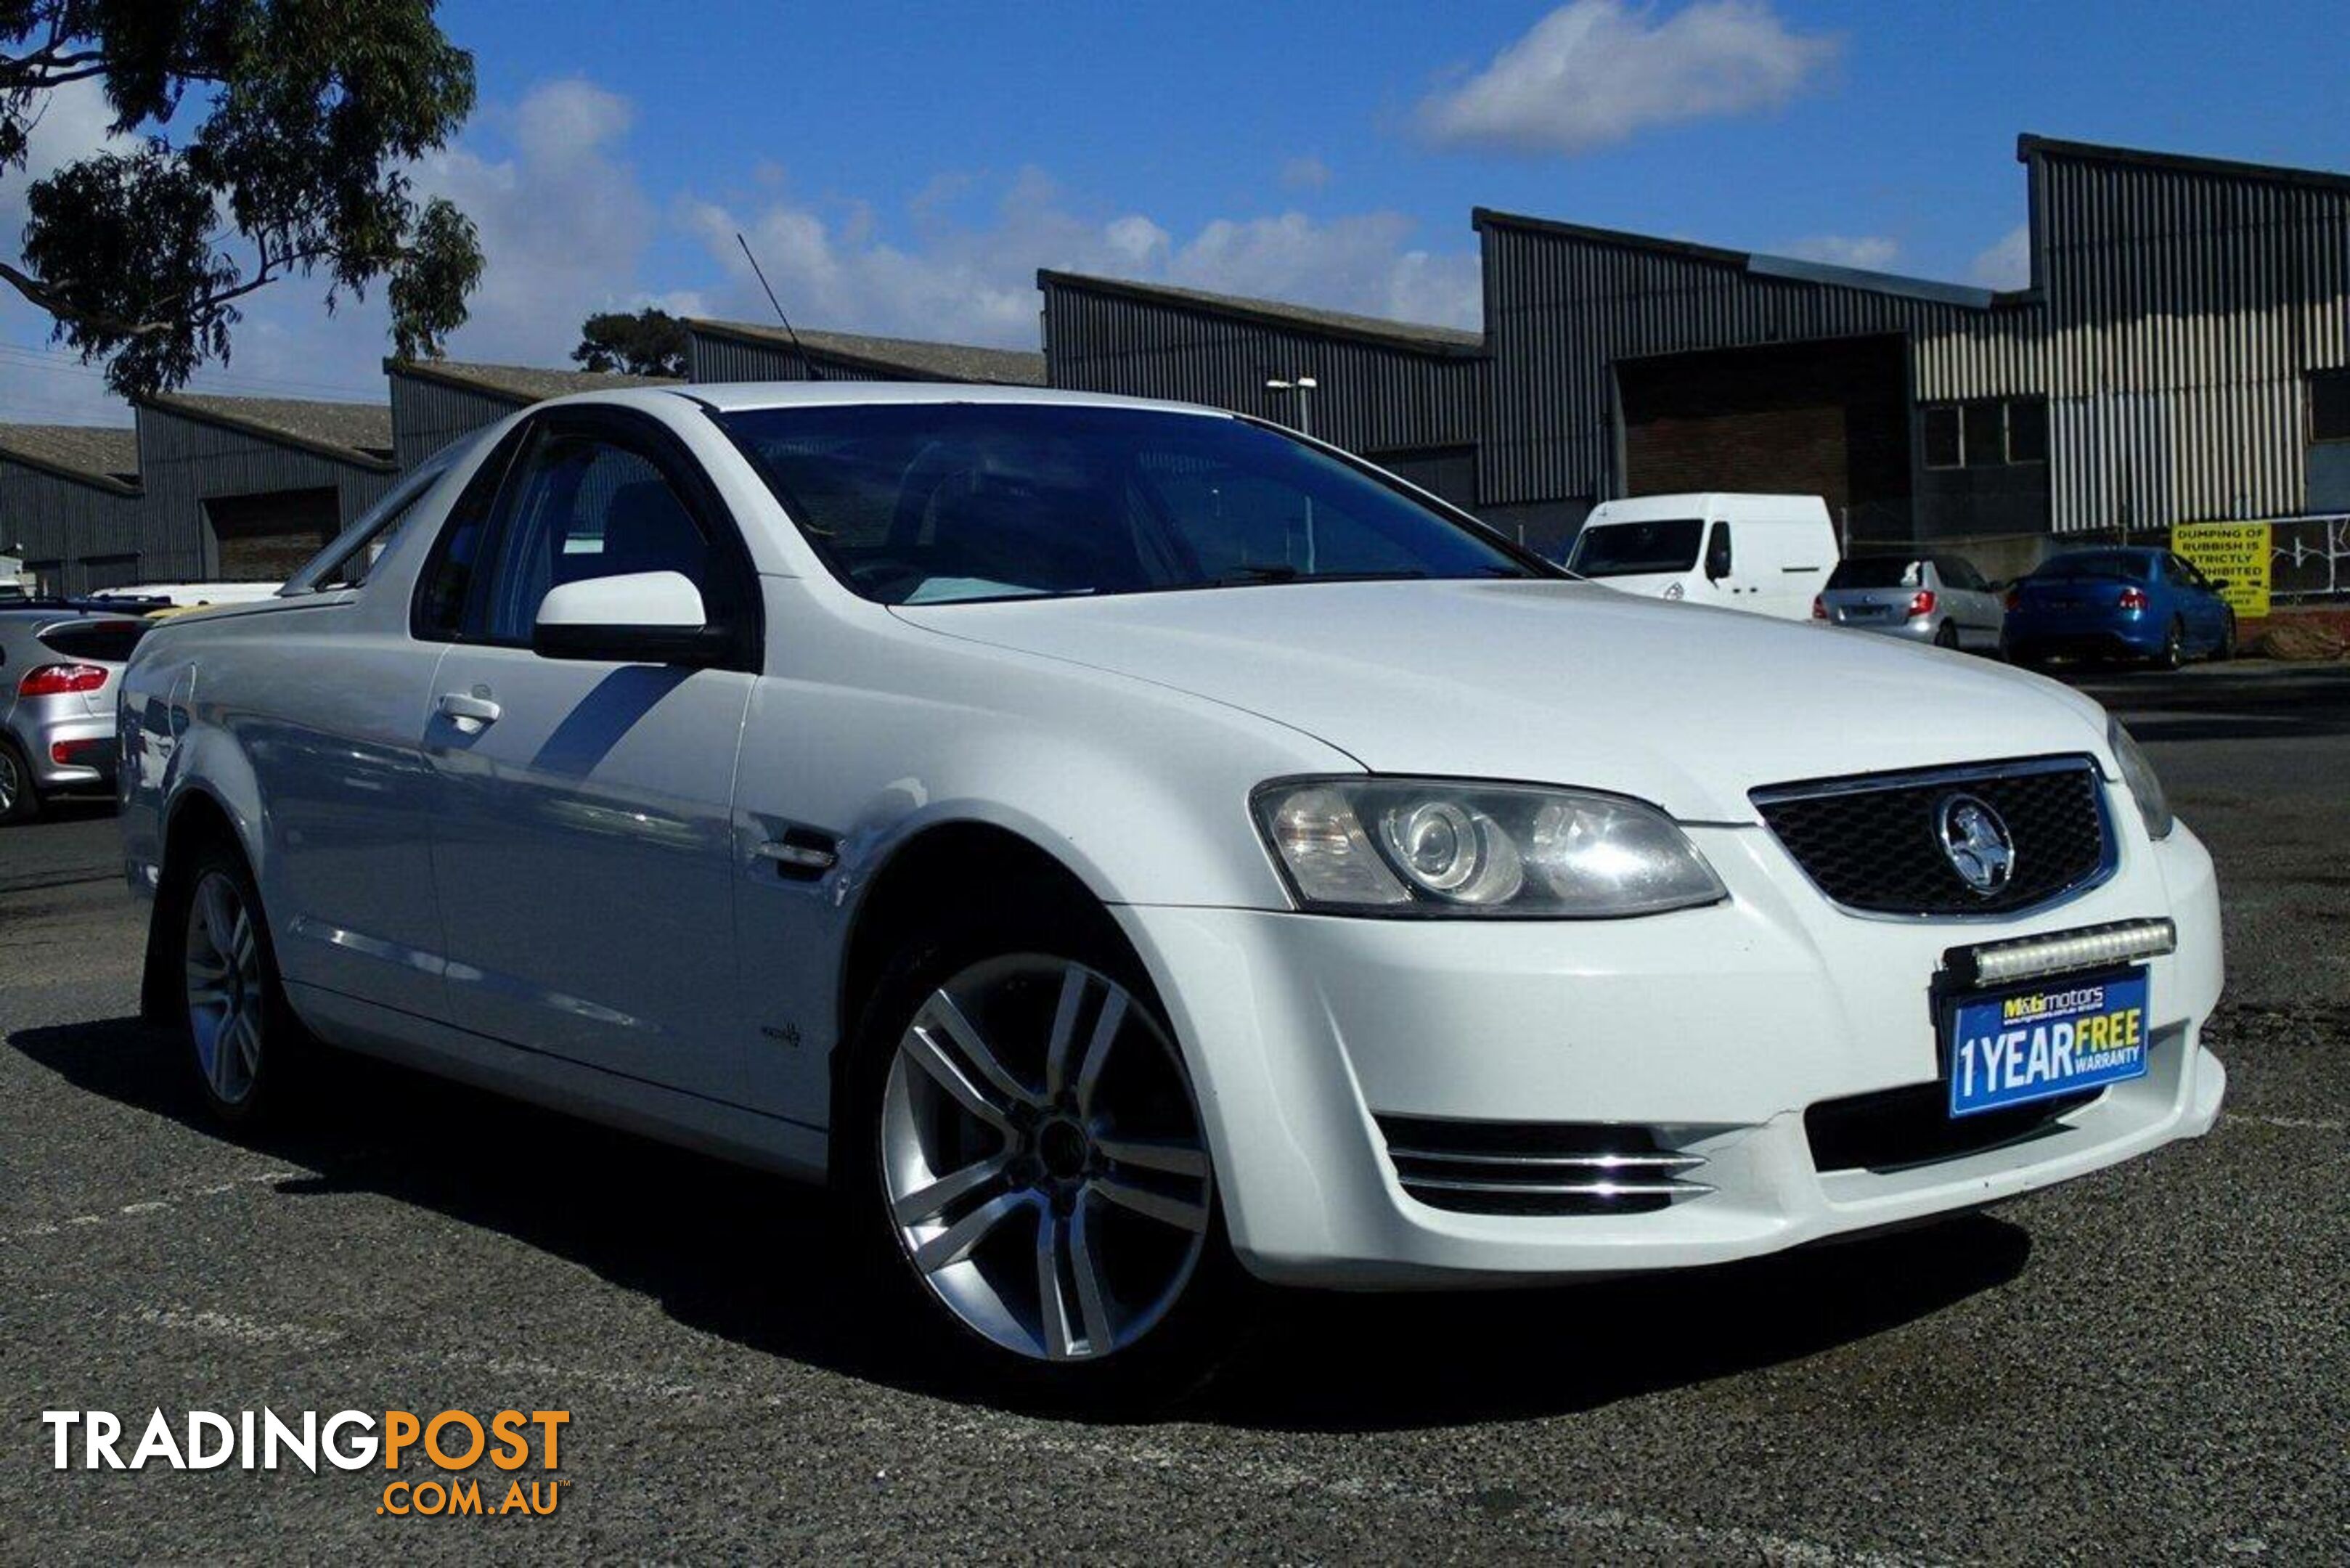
(2174, 648)
(971, 1170)
(247, 1048)
(1947, 636)
(20, 801)
(2226, 649)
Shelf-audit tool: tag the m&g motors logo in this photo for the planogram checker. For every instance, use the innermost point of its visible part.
(453, 1443)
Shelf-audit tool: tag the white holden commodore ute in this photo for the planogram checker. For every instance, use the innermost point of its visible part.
(1130, 851)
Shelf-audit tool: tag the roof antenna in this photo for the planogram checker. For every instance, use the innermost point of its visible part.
(807, 364)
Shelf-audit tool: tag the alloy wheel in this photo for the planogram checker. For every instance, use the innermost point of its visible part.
(225, 987)
(1041, 1155)
(12, 782)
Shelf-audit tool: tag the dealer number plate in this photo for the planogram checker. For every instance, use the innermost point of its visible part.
(2012, 1046)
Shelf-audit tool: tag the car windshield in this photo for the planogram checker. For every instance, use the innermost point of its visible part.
(938, 502)
(2120, 565)
(1880, 572)
(1629, 549)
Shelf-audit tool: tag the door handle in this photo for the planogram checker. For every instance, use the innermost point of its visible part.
(458, 705)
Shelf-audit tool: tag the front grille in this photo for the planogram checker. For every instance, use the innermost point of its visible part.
(1537, 1167)
(1894, 1129)
(1875, 843)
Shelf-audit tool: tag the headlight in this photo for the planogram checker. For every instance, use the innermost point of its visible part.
(1432, 847)
(2139, 774)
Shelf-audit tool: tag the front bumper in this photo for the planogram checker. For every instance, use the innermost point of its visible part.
(1719, 1026)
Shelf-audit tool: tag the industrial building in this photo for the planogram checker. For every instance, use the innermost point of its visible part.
(741, 351)
(2181, 353)
(248, 488)
(69, 504)
(435, 401)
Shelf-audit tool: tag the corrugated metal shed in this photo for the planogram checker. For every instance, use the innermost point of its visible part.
(435, 402)
(70, 503)
(2177, 306)
(743, 351)
(2189, 299)
(196, 451)
(1566, 304)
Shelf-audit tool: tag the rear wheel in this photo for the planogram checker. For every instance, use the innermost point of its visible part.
(1032, 1174)
(2174, 648)
(2227, 646)
(1947, 635)
(19, 801)
(245, 1041)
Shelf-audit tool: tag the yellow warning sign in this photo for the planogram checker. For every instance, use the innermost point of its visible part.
(2234, 554)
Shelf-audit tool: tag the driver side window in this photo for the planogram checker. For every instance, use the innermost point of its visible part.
(579, 508)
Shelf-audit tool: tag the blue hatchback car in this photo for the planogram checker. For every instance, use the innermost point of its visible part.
(2138, 604)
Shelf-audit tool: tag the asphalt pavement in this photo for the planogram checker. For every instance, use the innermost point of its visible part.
(2152, 1363)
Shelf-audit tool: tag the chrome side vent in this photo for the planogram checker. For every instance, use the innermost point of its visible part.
(1537, 1167)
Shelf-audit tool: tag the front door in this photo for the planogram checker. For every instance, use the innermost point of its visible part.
(580, 834)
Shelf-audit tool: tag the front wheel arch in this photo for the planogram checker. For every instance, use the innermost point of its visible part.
(196, 819)
(942, 868)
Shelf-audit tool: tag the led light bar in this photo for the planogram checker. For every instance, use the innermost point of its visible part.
(2061, 952)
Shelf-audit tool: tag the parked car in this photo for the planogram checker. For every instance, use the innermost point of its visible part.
(2136, 604)
(1765, 554)
(1940, 599)
(1129, 850)
(60, 670)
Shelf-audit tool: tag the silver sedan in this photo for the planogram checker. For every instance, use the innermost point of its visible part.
(59, 671)
(1939, 599)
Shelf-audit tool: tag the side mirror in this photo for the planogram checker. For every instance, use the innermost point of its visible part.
(1717, 553)
(636, 617)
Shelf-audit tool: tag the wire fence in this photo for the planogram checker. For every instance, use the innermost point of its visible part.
(2308, 559)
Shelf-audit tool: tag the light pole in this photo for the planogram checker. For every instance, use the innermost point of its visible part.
(1303, 386)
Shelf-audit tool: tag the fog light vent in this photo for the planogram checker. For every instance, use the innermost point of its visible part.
(1537, 1167)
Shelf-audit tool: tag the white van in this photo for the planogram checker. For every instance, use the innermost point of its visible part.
(1766, 553)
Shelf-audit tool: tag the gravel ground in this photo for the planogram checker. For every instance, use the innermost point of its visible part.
(2149, 1364)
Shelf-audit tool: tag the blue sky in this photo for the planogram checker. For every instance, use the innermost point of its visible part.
(905, 168)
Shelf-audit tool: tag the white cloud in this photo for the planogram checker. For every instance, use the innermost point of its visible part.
(2007, 263)
(563, 221)
(1306, 173)
(973, 280)
(1597, 71)
(1870, 253)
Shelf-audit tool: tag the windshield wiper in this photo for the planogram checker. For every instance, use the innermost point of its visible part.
(1242, 575)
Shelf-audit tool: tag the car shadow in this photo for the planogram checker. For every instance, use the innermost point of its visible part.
(1369, 1363)
(75, 808)
(758, 1260)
